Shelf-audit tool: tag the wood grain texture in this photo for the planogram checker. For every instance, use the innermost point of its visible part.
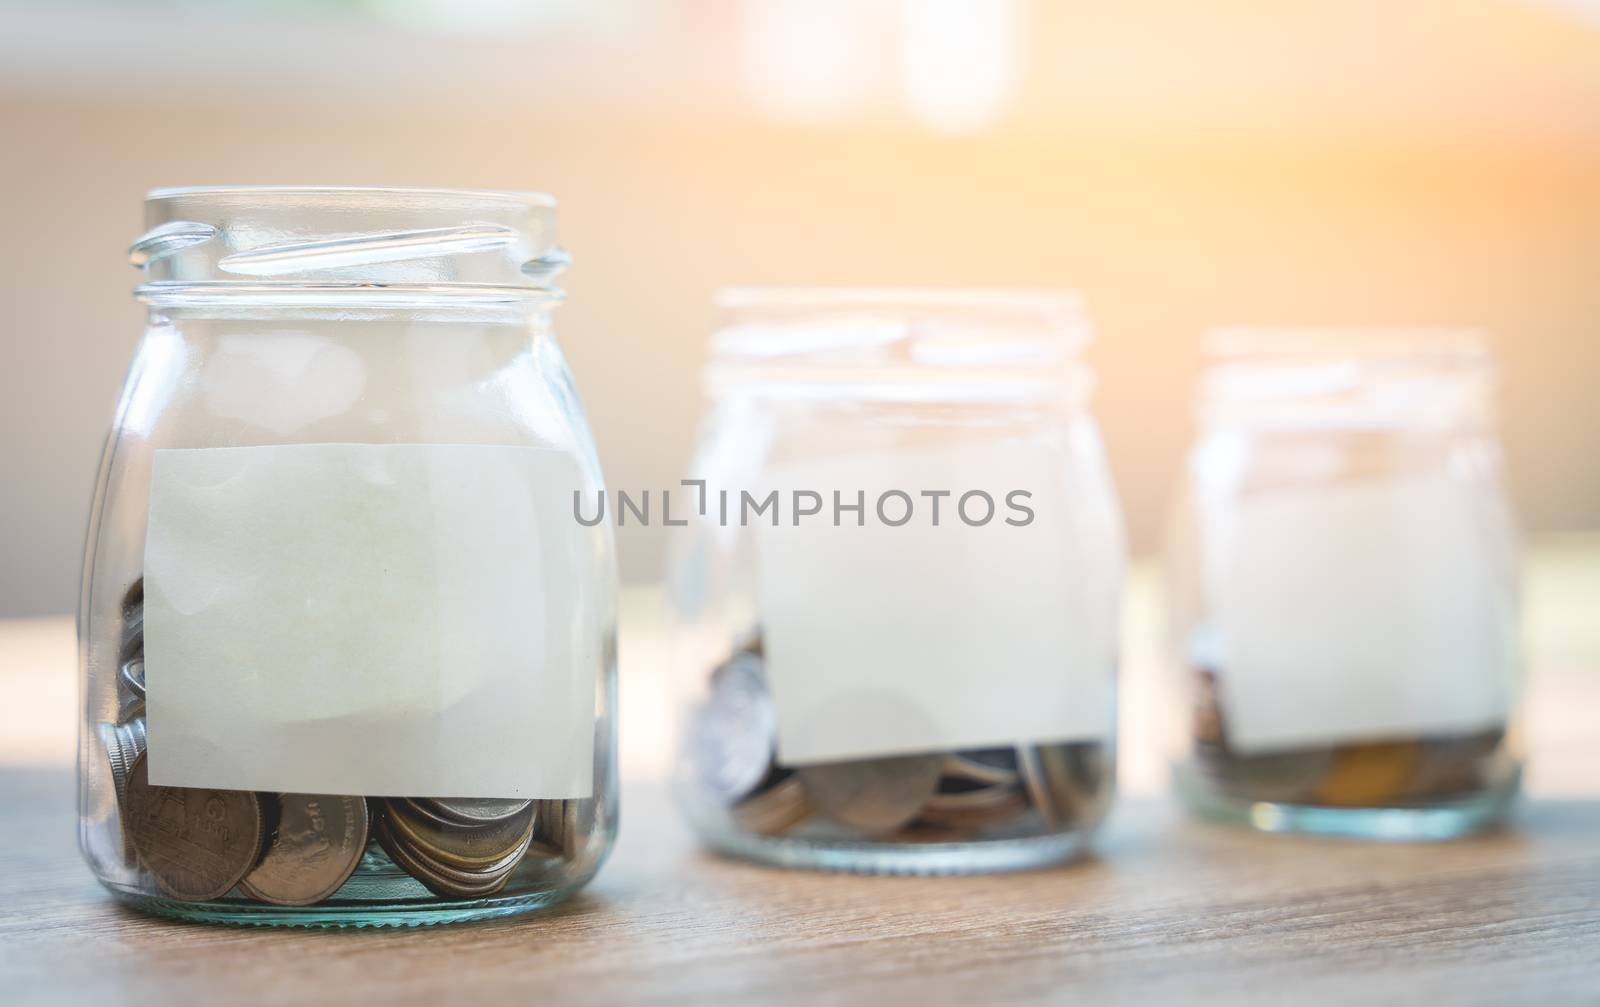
(1169, 911)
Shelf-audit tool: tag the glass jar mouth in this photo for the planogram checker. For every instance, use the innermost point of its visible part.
(408, 192)
(1309, 344)
(335, 242)
(773, 299)
(904, 344)
(1348, 378)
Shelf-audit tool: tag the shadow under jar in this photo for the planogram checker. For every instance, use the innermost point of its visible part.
(898, 597)
(346, 658)
(1343, 586)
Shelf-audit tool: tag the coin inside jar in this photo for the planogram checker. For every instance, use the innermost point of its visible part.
(1369, 773)
(124, 743)
(1067, 783)
(461, 846)
(131, 675)
(434, 876)
(776, 809)
(134, 598)
(443, 871)
(196, 844)
(316, 847)
(1452, 765)
(1292, 775)
(132, 642)
(996, 767)
(873, 795)
(555, 827)
(731, 739)
(471, 810)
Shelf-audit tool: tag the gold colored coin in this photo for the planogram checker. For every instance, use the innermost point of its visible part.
(465, 847)
(405, 856)
(1369, 774)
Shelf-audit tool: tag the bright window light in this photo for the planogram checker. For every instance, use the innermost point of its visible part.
(960, 61)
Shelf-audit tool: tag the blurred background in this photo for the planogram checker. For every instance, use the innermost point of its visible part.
(1183, 165)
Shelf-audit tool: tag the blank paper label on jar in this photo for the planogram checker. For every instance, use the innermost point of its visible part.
(375, 619)
(893, 640)
(1369, 610)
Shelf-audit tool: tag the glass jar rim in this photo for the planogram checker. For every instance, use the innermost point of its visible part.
(329, 243)
(1039, 299)
(529, 197)
(898, 343)
(1288, 344)
(1346, 377)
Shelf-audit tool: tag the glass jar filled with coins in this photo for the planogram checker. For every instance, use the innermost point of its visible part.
(898, 594)
(347, 658)
(1343, 573)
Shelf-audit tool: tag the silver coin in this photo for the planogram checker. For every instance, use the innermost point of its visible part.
(315, 848)
(1068, 784)
(131, 675)
(555, 828)
(124, 743)
(872, 795)
(130, 708)
(132, 643)
(130, 691)
(1454, 765)
(774, 810)
(973, 808)
(197, 844)
(731, 736)
(470, 848)
(472, 810)
(440, 870)
(434, 876)
(986, 768)
(1272, 776)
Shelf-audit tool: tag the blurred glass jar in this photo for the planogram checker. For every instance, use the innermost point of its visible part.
(1343, 587)
(899, 596)
(346, 658)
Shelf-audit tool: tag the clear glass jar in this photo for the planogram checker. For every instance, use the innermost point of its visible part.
(346, 658)
(898, 597)
(1343, 587)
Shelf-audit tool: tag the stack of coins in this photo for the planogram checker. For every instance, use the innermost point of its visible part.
(300, 849)
(931, 797)
(1366, 774)
(457, 848)
(124, 738)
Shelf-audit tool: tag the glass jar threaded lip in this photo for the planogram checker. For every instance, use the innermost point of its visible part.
(305, 244)
(898, 344)
(1349, 377)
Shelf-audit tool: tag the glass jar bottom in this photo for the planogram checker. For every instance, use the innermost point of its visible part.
(989, 856)
(336, 914)
(1435, 820)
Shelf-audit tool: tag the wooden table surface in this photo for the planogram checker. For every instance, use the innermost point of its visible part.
(1168, 911)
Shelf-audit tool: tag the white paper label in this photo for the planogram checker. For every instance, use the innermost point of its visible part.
(1360, 611)
(892, 640)
(374, 619)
